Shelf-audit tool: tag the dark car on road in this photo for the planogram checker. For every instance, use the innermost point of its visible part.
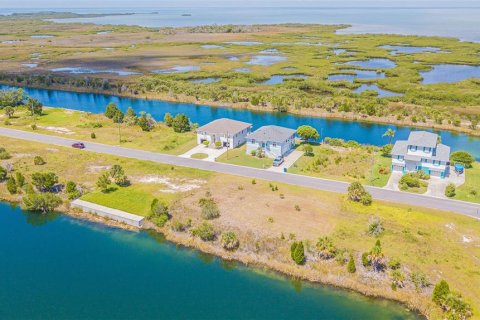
(78, 145)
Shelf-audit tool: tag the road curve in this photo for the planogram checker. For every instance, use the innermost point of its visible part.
(462, 207)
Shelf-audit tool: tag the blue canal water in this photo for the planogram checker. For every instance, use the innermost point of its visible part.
(56, 267)
(362, 132)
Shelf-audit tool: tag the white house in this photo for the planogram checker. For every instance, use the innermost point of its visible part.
(421, 152)
(230, 133)
(275, 141)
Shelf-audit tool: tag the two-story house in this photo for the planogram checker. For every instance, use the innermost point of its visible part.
(421, 152)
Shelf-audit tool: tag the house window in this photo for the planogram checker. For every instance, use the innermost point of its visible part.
(274, 144)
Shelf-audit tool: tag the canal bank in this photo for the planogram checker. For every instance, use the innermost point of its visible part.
(363, 132)
(187, 282)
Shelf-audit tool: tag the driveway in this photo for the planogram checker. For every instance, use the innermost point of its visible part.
(211, 152)
(289, 160)
(436, 185)
(393, 181)
(462, 207)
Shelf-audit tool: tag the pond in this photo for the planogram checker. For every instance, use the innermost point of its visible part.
(42, 36)
(352, 74)
(83, 70)
(57, 267)
(373, 87)
(449, 73)
(205, 80)
(104, 32)
(375, 63)
(263, 60)
(362, 132)
(244, 43)
(242, 70)
(30, 65)
(279, 78)
(212, 46)
(177, 69)
(394, 50)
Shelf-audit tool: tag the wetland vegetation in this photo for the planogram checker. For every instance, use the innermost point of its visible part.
(388, 78)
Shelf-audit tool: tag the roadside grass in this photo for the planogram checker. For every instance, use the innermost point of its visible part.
(239, 156)
(470, 190)
(199, 156)
(345, 164)
(80, 125)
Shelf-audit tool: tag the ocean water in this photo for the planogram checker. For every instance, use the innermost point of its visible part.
(460, 23)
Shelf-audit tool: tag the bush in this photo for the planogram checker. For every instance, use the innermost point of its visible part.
(462, 157)
(229, 240)
(409, 180)
(3, 174)
(168, 119)
(218, 144)
(440, 292)
(11, 185)
(357, 193)
(308, 150)
(41, 202)
(419, 279)
(365, 261)
(386, 150)
(103, 182)
(209, 209)
(206, 143)
(450, 190)
(297, 252)
(145, 122)
(375, 228)
(111, 110)
(44, 181)
(204, 231)
(181, 123)
(4, 155)
(20, 179)
(394, 264)
(72, 192)
(325, 247)
(38, 161)
(93, 135)
(179, 226)
(351, 265)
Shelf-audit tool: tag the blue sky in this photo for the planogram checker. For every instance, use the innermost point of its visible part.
(187, 3)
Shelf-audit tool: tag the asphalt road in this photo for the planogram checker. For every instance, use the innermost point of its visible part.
(466, 208)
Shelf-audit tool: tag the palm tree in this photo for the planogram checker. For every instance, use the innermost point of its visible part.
(390, 133)
(376, 257)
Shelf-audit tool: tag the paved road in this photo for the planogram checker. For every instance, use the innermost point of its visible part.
(461, 207)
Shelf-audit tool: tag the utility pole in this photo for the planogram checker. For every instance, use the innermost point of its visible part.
(119, 133)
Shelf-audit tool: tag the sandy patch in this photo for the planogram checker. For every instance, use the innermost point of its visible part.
(52, 150)
(22, 155)
(58, 130)
(172, 185)
(450, 226)
(96, 169)
(466, 239)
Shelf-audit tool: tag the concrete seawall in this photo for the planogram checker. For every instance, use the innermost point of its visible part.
(106, 212)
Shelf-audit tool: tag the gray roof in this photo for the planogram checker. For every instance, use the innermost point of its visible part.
(442, 153)
(400, 148)
(422, 139)
(272, 134)
(224, 126)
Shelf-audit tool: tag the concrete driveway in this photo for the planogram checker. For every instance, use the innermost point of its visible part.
(437, 186)
(289, 160)
(393, 181)
(211, 152)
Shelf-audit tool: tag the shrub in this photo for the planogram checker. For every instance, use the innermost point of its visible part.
(41, 202)
(397, 279)
(179, 226)
(440, 292)
(229, 240)
(326, 248)
(375, 228)
(4, 155)
(181, 123)
(206, 143)
(103, 182)
(297, 252)
(44, 181)
(20, 179)
(351, 265)
(33, 126)
(111, 110)
(308, 150)
(218, 144)
(386, 150)
(11, 185)
(204, 231)
(394, 264)
(93, 135)
(3, 174)
(462, 157)
(365, 261)
(357, 193)
(168, 119)
(409, 180)
(450, 190)
(130, 117)
(209, 209)
(158, 207)
(70, 187)
(419, 279)
(38, 161)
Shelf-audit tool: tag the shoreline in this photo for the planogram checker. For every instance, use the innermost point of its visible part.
(419, 305)
(340, 116)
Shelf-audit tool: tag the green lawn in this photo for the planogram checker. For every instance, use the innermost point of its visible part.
(199, 156)
(239, 157)
(470, 191)
(379, 175)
